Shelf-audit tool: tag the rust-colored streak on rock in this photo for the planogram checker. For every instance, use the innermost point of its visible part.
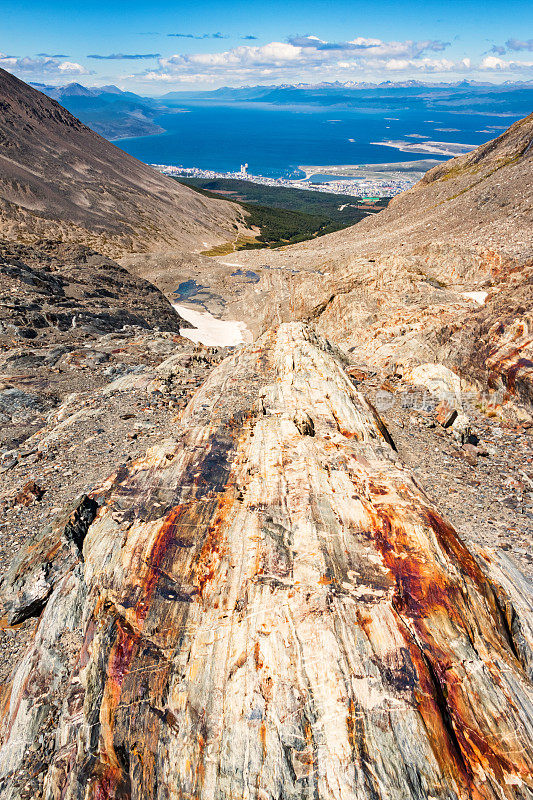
(121, 655)
(211, 551)
(170, 533)
(112, 784)
(512, 372)
(425, 597)
(450, 542)
(441, 735)
(421, 587)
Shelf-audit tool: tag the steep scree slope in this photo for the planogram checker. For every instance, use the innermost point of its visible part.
(59, 179)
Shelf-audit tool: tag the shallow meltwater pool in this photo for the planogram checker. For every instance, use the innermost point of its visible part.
(211, 331)
(188, 289)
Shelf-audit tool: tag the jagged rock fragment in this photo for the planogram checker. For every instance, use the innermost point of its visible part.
(28, 583)
(445, 414)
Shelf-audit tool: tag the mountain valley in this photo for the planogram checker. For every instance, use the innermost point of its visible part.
(298, 567)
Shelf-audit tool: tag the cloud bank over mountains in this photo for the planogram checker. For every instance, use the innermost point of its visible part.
(495, 64)
(299, 58)
(312, 58)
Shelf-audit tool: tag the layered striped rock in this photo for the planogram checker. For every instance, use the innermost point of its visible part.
(268, 606)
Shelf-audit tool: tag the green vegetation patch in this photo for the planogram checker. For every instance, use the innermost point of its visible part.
(283, 215)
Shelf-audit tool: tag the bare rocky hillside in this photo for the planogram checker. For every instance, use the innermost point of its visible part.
(60, 180)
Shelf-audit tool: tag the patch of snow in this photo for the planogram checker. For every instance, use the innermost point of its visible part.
(477, 297)
(231, 263)
(211, 331)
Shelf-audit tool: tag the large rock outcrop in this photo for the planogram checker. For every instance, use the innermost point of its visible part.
(268, 606)
(54, 287)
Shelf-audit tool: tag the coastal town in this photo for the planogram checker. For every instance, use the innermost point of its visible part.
(353, 187)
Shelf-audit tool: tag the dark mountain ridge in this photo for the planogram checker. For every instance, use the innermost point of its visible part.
(108, 110)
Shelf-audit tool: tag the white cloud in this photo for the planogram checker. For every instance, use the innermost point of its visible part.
(302, 58)
(272, 54)
(371, 48)
(47, 66)
(497, 64)
(429, 65)
(73, 67)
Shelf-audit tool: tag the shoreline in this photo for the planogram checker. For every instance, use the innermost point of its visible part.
(451, 149)
(382, 186)
(384, 169)
(364, 180)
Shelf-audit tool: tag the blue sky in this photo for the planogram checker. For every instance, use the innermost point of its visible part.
(156, 47)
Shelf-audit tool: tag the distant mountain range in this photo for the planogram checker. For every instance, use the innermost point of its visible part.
(334, 86)
(118, 114)
(107, 109)
(473, 95)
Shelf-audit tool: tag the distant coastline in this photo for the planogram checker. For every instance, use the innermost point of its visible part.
(435, 148)
(365, 180)
(401, 170)
(138, 129)
(276, 141)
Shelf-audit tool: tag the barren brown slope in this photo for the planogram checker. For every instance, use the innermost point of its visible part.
(59, 179)
(392, 288)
